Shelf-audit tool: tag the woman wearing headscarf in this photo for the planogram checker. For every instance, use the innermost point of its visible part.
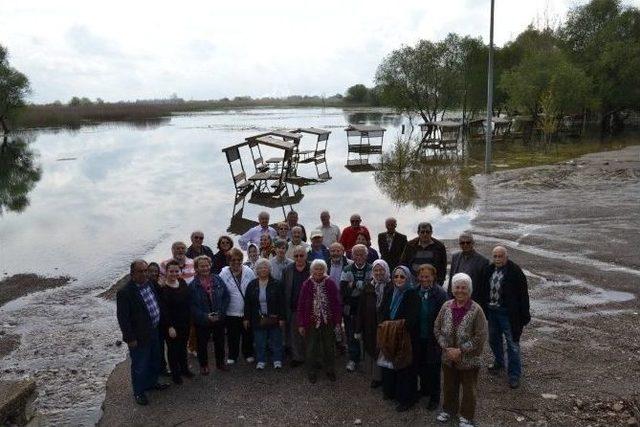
(428, 364)
(398, 339)
(369, 317)
(318, 315)
(461, 331)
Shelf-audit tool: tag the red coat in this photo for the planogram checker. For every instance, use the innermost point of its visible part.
(349, 235)
(305, 303)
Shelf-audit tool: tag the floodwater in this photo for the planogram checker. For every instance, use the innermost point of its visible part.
(85, 203)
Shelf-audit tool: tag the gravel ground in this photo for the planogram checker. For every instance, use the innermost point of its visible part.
(573, 228)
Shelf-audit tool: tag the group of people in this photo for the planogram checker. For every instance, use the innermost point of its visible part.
(304, 301)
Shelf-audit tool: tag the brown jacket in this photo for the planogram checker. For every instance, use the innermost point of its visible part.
(394, 342)
(470, 335)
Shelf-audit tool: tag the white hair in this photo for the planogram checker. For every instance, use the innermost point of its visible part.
(462, 278)
(262, 262)
(319, 263)
(359, 248)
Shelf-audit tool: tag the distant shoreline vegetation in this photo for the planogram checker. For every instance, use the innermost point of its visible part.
(82, 111)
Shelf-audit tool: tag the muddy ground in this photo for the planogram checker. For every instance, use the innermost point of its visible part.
(19, 285)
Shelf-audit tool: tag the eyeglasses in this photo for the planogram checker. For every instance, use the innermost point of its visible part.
(198, 237)
(466, 242)
(399, 276)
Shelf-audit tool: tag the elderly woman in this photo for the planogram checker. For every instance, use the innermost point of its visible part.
(176, 302)
(318, 315)
(209, 302)
(264, 313)
(461, 331)
(432, 296)
(368, 317)
(400, 311)
(282, 228)
(236, 278)
(220, 258)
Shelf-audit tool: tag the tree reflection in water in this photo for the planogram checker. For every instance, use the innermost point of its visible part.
(439, 181)
(19, 173)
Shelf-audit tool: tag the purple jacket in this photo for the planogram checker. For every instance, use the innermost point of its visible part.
(305, 303)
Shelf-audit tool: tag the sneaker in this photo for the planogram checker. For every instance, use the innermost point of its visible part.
(141, 399)
(230, 361)
(277, 365)
(351, 366)
(514, 383)
(260, 365)
(443, 417)
(250, 359)
(465, 422)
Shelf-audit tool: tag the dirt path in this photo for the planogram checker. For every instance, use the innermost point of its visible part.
(573, 228)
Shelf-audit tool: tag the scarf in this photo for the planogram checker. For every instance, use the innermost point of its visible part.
(398, 293)
(379, 287)
(459, 312)
(320, 304)
(205, 284)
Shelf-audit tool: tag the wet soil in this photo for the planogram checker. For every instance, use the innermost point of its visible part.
(573, 228)
(8, 343)
(20, 285)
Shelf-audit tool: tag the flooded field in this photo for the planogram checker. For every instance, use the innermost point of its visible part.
(107, 194)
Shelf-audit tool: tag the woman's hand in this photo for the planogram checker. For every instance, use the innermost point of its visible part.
(281, 322)
(245, 323)
(453, 354)
(301, 330)
(357, 336)
(172, 332)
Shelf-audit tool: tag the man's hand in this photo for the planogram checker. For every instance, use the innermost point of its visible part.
(281, 323)
(245, 323)
(301, 330)
(172, 332)
(132, 344)
(214, 318)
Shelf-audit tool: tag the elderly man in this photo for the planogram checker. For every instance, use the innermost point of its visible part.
(505, 299)
(425, 249)
(350, 233)
(197, 247)
(179, 254)
(292, 278)
(292, 220)
(283, 231)
(354, 276)
(296, 240)
(330, 232)
(254, 233)
(337, 261)
(468, 261)
(138, 312)
(280, 261)
(317, 250)
(391, 243)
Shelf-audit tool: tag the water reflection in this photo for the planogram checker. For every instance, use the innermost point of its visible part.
(19, 173)
(437, 181)
(373, 117)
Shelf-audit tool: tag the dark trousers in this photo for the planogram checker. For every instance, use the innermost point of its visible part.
(235, 333)
(145, 364)
(453, 379)
(163, 347)
(400, 384)
(177, 351)
(429, 372)
(353, 344)
(321, 349)
(216, 332)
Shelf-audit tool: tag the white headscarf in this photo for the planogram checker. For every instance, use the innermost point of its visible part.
(379, 286)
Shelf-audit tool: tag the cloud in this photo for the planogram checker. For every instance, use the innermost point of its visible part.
(85, 42)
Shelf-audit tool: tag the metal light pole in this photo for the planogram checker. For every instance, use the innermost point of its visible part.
(489, 128)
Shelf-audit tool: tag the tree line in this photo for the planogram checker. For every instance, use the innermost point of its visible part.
(590, 65)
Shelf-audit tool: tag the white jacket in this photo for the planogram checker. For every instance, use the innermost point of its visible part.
(236, 299)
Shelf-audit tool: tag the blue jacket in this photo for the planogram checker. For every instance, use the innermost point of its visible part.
(313, 255)
(201, 305)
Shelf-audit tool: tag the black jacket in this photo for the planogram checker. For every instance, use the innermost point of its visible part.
(439, 254)
(276, 305)
(133, 316)
(409, 310)
(475, 269)
(392, 256)
(514, 295)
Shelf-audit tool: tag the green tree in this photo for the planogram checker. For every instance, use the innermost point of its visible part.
(357, 94)
(75, 102)
(14, 88)
(19, 174)
(603, 37)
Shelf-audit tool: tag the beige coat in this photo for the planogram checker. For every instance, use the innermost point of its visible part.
(470, 335)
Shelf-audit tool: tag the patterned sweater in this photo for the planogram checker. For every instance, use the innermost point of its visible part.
(470, 335)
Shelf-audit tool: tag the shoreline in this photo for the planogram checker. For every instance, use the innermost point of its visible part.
(582, 309)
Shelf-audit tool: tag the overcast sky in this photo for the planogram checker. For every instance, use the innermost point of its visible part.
(202, 50)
